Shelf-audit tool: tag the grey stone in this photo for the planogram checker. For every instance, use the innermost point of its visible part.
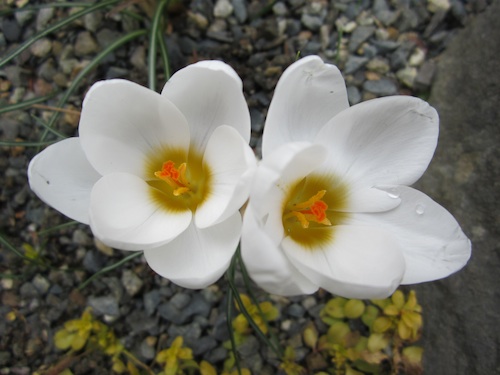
(203, 345)
(105, 305)
(353, 95)
(147, 351)
(94, 261)
(354, 63)
(190, 333)
(461, 313)
(425, 75)
(80, 237)
(257, 120)
(295, 310)
(140, 323)
(180, 300)
(381, 87)
(400, 56)
(223, 8)
(41, 284)
(11, 30)
(248, 347)
(85, 44)
(197, 306)
(360, 35)
(240, 10)
(170, 313)
(151, 301)
(41, 47)
(218, 354)
(44, 17)
(312, 22)
(131, 282)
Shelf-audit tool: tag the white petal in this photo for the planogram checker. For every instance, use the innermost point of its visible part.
(209, 94)
(307, 96)
(266, 264)
(124, 215)
(382, 141)
(198, 257)
(433, 244)
(368, 199)
(361, 262)
(62, 177)
(232, 164)
(122, 123)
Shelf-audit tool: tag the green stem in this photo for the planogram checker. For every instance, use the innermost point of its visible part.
(248, 317)
(246, 280)
(164, 56)
(229, 318)
(56, 26)
(110, 268)
(153, 43)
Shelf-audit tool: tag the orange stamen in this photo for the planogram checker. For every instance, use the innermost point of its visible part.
(175, 177)
(313, 209)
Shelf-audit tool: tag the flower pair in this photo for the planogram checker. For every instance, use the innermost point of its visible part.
(329, 203)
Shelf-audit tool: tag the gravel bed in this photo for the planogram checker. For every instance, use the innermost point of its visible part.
(383, 47)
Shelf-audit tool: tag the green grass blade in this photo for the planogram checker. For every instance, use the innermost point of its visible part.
(153, 43)
(164, 56)
(46, 126)
(56, 26)
(25, 144)
(4, 242)
(57, 227)
(109, 268)
(26, 103)
(76, 81)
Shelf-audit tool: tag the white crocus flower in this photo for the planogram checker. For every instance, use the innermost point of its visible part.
(166, 173)
(330, 205)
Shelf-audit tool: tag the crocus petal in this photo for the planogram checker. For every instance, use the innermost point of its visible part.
(231, 163)
(385, 141)
(198, 257)
(361, 262)
(307, 96)
(265, 262)
(209, 94)
(62, 177)
(123, 214)
(433, 244)
(123, 123)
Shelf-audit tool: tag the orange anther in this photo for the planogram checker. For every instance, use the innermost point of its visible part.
(313, 209)
(175, 177)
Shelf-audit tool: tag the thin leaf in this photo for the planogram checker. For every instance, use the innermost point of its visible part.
(57, 227)
(4, 242)
(248, 286)
(76, 81)
(109, 268)
(244, 311)
(27, 103)
(229, 314)
(56, 26)
(153, 42)
(25, 144)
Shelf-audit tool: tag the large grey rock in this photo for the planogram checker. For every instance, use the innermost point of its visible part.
(462, 312)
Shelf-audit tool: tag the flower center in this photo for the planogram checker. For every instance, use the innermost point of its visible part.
(180, 183)
(313, 209)
(175, 178)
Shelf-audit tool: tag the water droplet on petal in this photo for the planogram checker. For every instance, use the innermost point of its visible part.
(420, 209)
(393, 193)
